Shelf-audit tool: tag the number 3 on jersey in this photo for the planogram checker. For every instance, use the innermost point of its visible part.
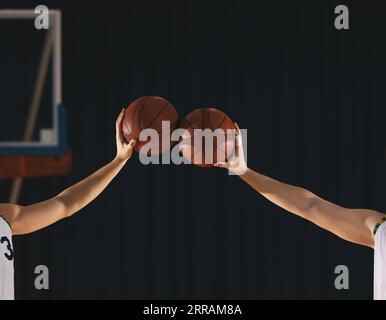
(5, 241)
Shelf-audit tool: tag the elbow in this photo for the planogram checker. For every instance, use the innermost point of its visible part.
(66, 208)
(306, 207)
(311, 201)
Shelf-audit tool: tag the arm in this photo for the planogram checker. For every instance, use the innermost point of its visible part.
(27, 219)
(354, 225)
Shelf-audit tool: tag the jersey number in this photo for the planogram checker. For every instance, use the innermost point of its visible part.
(9, 254)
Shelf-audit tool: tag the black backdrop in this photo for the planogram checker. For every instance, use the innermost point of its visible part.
(312, 99)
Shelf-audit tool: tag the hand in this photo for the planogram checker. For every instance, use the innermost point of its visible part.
(236, 163)
(124, 149)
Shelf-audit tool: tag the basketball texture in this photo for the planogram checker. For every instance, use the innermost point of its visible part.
(149, 112)
(206, 118)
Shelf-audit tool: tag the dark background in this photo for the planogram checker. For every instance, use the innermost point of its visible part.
(312, 98)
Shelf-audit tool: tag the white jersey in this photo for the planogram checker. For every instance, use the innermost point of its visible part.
(6, 262)
(380, 263)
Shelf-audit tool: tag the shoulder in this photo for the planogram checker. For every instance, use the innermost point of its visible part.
(9, 212)
(373, 220)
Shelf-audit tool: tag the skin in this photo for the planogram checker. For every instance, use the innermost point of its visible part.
(354, 225)
(27, 219)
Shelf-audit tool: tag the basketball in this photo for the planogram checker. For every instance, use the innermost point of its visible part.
(195, 148)
(148, 113)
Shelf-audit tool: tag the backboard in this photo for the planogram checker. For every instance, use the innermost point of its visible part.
(32, 115)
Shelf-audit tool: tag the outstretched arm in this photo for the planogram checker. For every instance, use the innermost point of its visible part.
(354, 225)
(27, 219)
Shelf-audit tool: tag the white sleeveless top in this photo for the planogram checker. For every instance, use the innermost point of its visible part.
(380, 263)
(6, 262)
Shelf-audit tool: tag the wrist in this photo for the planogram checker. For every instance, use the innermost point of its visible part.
(245, 173)
(119, 160)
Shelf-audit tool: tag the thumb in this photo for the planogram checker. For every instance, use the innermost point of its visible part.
(132, 143)
(221, 164)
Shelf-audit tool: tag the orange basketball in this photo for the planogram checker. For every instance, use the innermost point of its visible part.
(195, 147)
(149, 112)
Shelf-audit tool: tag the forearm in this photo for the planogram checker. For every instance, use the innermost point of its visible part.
(82, 193)
(291, 198)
